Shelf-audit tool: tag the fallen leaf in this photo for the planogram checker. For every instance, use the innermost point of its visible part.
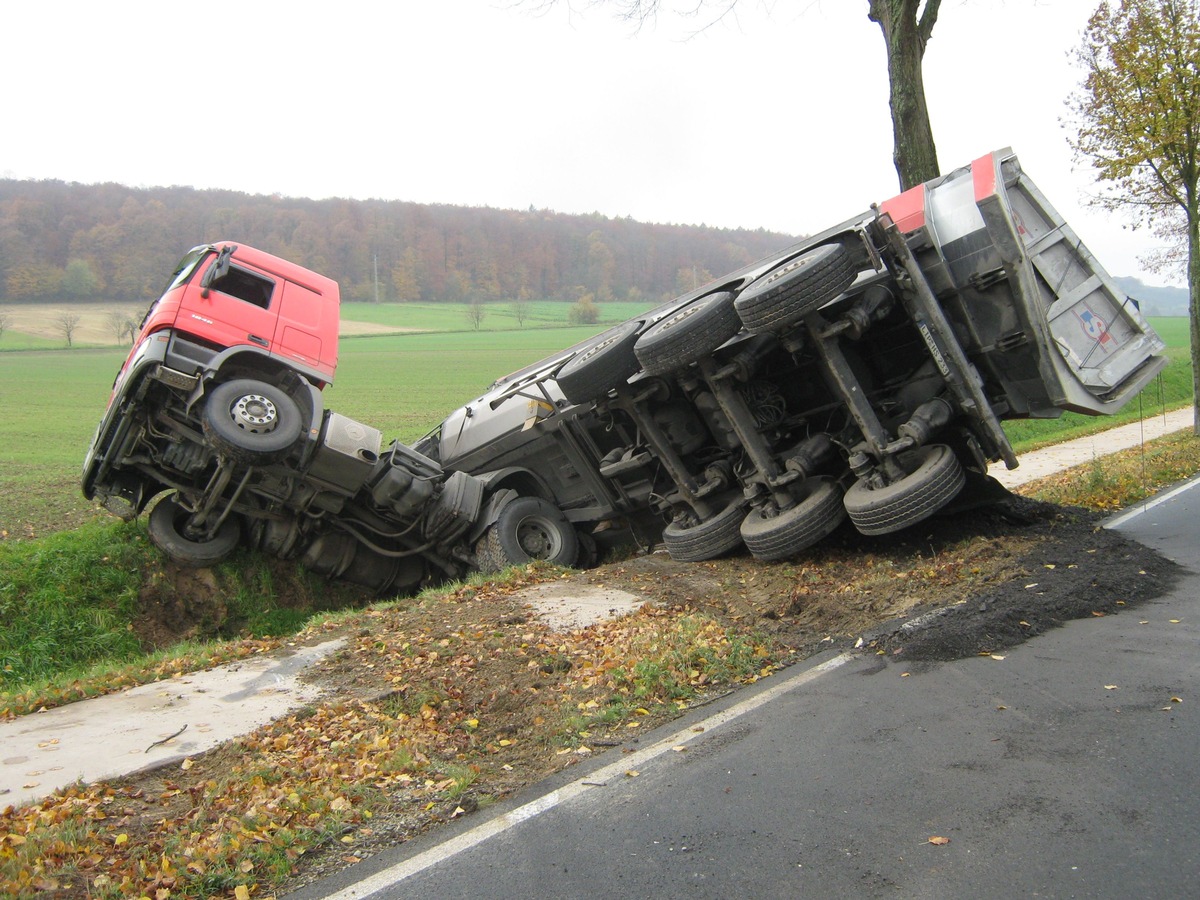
(241, 892)
(905, 674)
(1174, 621)
(1098, 615)
(632, 773)
(1110, 687)
(680, 748)
(186, 764)
(1176, 699)
(997, 656)
(939, 841)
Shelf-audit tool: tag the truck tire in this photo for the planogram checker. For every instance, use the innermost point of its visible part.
(705, 540)
(250, 421)
(818, 512)
(166, 531)
(688, 334)
(528, 528)
(793, 290)
(606, 364)
(935, 478)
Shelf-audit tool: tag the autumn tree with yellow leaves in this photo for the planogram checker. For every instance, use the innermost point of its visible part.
(1136, 119)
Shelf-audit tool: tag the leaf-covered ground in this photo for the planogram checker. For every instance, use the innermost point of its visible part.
(438, 707)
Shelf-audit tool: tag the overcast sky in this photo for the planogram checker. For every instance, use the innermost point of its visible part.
(775, 118)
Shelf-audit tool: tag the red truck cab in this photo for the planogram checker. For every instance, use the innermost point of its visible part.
(229, 296)
(229, 311)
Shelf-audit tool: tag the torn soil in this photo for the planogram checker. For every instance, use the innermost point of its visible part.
(440, 706)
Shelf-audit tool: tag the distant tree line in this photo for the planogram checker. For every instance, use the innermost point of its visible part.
(62, 241)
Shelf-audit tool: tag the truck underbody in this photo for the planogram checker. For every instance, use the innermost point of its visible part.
(862, 374)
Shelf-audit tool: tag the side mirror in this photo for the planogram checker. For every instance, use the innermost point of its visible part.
(217, 270)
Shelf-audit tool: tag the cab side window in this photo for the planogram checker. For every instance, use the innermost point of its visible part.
(245, 286)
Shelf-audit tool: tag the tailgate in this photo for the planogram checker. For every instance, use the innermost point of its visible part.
(1105, 350)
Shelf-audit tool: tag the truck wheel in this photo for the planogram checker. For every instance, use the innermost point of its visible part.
(935, 478)
(705, 540)
(818, 512)
(793, 290)
(689, 334)
(528, 528)
(250, 421)
(167, 526)
(606, 364)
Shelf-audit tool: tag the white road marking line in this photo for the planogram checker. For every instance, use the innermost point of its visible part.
(387, 877)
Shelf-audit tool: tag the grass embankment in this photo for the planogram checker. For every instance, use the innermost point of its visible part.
(93, 610)
(1123, 479)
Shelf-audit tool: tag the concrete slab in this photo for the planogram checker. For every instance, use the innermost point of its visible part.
(566, 607)
(119, 734)
(1050, 460)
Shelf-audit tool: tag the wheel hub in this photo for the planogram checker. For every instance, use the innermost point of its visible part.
(255, 413)
(536, 539)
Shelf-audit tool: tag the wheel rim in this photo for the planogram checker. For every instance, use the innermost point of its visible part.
(607, 342)
(680, 317)
(255, 413)
(784, 271)
(538, 538)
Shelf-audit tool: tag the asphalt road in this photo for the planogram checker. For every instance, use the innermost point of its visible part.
(1068, 768)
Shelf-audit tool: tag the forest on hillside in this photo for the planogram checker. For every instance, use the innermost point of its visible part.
(61, 241)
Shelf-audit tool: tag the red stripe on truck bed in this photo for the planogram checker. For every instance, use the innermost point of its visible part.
(907, 210)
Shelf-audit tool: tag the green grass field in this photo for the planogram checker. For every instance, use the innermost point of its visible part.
(497, 316)
(403, 384)
(34, 327)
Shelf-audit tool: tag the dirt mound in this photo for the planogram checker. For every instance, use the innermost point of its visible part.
(977, 581)
(177, 603)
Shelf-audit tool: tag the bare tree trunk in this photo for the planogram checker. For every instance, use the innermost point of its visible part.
(914, 152)
(1193, 270)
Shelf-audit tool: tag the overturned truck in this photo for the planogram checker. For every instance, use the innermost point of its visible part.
(861, 374)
